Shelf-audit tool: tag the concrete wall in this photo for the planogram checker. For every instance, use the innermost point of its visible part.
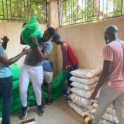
(53, 21)
(87, 41)
(13, 30)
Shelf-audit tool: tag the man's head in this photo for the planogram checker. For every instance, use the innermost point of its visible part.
(111, 33)
(49, 33)
(24, 24)
(57, 39)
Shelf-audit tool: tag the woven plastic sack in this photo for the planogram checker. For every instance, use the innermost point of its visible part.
(83, 86)
(110, 110)
(103, 121)
(85, 81)
(32, 29)
(15, 84)
(106, 116)
(81, 92)
(15, 71)
(86, 73)
(79, 109)
(106, 122)
(59, 79)
(57, 90)
(95, 105)
(80, 100)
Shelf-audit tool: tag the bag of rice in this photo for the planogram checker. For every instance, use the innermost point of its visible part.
(103, 121)
(80, 100)
(95, 105)
(83, 86)
(79, 109)
(106, 116)
(86, 73)
(80, 92)
(85, 81)
(110, 110)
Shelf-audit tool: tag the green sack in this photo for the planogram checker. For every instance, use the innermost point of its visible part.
(16, 105)
(15, 71)
(32, 29)
(15, 84)
(16, 96)
(59, 79)
(57, 86)
(57, 92)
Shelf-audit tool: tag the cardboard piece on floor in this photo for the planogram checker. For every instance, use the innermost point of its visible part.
(31, 121)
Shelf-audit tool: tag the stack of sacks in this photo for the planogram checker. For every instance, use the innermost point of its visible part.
(109, 117)
(83, 82)
(78, 108)
(82, 111)
(56, 83)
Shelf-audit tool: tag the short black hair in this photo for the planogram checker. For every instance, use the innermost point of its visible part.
(56, 37)
(112, 28)
(24, 24)
(51, 31)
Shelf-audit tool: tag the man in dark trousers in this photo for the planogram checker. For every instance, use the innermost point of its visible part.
(6, 81)
(47, 78)
(69, 60)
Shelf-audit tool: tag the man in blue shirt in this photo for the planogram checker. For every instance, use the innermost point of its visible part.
(6, 81)
(48, 75)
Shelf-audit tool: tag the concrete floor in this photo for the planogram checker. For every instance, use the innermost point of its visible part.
(58, 112)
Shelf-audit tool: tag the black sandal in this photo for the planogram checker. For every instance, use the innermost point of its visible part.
(43, 105)
(49, 102)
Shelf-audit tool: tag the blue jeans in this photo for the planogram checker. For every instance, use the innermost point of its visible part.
(6, 89)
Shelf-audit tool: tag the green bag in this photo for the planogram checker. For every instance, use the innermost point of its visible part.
(31, 29)
(15, 84)
(15, 71)
(57, 90)
(59, 79)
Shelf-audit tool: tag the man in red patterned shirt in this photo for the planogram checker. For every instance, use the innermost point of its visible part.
(111, 80)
